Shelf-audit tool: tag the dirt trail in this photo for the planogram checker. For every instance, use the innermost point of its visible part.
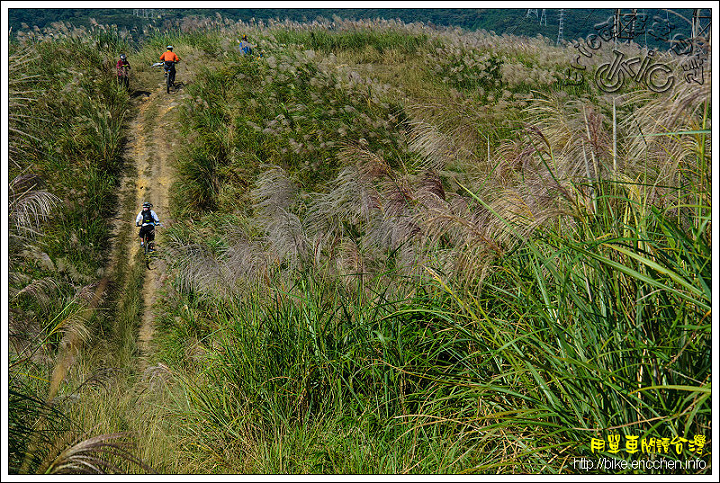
(152, 184)
(152, 139)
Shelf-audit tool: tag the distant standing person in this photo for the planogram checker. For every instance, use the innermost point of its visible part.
(123, 71)
(244, 46)
(170, 58)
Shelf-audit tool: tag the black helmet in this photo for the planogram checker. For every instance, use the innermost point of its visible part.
(244, 37)
(147, 205)
(122, 57)
(169, 47)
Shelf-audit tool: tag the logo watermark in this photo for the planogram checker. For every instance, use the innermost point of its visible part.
(610, 464)
(647, 453)
(658, 76)
(646, 445)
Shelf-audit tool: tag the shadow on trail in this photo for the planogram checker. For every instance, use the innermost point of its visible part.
(151, 260)
(138, 93)
(177, 87)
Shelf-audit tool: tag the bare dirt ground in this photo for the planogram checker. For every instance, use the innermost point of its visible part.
(152, 140)
(152, 184)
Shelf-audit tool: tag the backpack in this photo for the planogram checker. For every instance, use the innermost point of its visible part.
(147, 217)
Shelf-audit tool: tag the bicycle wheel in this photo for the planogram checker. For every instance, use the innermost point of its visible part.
(607, 83)
(653, 81)
(146, 246)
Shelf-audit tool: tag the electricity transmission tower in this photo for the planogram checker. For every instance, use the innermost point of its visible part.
(624, 25)
(534, 11)
(701, 24)
(144, 12)
(560, 27)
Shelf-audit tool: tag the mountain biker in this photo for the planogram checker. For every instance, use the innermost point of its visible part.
(147, 215)
(170, 58)
(244, 46)
(123, 69)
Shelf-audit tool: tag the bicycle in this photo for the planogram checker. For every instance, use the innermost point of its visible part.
(169, 67)
(124, 78)
(610, 76)
(148, 241)
(122, 68)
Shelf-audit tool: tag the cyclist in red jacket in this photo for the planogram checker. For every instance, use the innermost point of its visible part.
(123, 70)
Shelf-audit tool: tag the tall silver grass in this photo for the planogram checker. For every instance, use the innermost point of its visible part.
(544, 178)
(28, 206)
(98, 455)
(273, 202)
(223, 273)
(21, 95)
(655, 136)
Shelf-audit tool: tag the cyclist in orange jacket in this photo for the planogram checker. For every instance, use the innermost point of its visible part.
(170, 58)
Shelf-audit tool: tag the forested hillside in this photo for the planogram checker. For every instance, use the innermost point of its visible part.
(577, 23)
(387, 248)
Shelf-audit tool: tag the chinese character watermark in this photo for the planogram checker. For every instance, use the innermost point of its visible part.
(635, 444)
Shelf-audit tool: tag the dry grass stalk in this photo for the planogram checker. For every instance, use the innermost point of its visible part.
(97, 455)
(28, 206)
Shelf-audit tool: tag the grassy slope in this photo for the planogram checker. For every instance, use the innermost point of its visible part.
(302, 189)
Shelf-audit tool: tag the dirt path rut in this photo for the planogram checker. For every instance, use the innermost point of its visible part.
(152, 184)
(151, 145)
